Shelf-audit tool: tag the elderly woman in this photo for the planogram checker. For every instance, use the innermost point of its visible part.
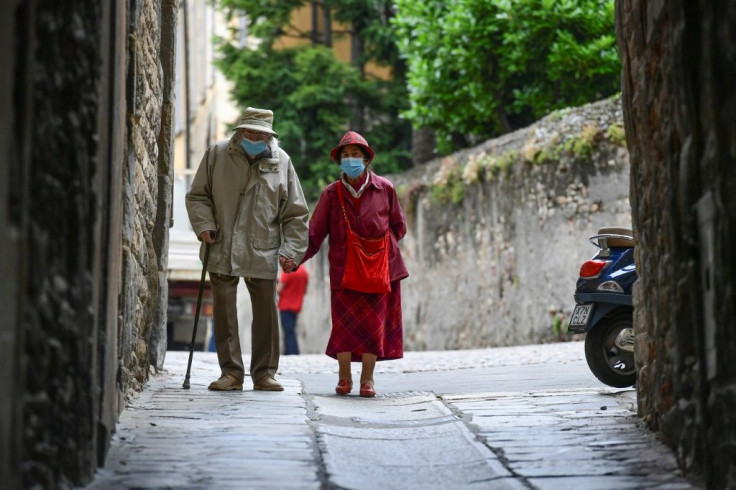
(366, 326)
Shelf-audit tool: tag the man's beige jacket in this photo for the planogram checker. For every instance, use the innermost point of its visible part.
(259, 211)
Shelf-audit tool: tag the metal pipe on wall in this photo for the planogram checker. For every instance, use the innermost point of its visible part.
(187, 101)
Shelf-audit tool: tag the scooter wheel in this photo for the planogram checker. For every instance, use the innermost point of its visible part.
(609, 350)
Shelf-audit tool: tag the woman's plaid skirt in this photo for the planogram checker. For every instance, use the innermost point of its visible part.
(367, 323)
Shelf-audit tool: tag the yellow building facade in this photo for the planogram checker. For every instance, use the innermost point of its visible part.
(308, 22)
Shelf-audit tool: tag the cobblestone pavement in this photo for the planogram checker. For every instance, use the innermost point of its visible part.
(524, 355)
(487, 418)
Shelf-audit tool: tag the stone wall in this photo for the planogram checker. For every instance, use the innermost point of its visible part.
(680, 107)
(84, 167)
(58, 321)
(147, 177)
(11, 387)
(497, 233)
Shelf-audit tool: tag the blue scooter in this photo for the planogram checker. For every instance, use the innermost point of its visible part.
(604, 310)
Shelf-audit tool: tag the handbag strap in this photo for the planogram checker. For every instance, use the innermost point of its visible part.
(342, 203)
(345, 214)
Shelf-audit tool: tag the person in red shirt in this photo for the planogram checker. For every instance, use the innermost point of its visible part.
(291, 290)
(366, 327)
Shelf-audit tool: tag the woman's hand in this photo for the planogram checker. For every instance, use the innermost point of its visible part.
(287, 265)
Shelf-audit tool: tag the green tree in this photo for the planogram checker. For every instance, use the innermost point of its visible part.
(480, 68)
(314, 96)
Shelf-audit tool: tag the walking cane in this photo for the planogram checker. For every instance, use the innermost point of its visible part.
(196, 315)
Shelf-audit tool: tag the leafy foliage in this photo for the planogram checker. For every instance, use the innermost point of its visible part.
(479, 68)
(314, 96)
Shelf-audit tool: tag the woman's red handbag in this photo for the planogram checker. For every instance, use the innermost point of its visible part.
(366, 263)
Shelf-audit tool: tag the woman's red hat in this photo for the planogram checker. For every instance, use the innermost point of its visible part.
(352, 138)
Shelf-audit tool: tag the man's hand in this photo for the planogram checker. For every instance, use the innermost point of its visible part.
(287, 265)
(208, 236)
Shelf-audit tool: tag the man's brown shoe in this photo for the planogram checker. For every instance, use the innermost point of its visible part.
(267, 383)
(227, 382)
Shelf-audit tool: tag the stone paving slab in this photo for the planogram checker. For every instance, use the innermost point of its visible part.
(603, 483)
(382, 409)
(169, 437)
(561, 440)
(403, 443)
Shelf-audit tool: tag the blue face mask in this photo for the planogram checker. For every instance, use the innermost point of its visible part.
(352, 166)
(253, 147)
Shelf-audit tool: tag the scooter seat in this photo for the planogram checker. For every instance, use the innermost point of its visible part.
(617, 237)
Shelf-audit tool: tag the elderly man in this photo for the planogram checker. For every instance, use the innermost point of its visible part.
(247, 204)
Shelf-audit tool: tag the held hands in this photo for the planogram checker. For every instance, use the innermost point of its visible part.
(208, 236)
(287, 265)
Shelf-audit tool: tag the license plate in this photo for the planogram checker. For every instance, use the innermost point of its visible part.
(580, 315)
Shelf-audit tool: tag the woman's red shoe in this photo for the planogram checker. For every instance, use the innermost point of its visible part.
(367, 390)
(344, 386)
